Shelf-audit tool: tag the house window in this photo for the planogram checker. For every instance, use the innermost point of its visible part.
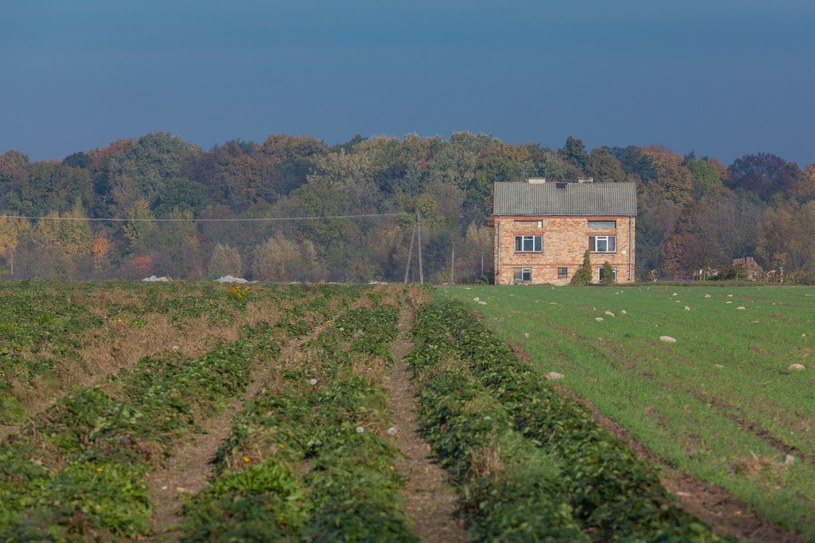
(603, 224)
(522, 275)
(562, 273)
(528, 244)
(602, 275)
(603, 244)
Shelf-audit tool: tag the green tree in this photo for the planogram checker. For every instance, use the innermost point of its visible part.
(583, 274)
(574, 152)
(607, 275)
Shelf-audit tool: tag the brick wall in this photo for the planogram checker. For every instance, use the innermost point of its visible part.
(565, 239)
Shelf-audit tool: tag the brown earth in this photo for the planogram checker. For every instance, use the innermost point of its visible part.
(190, 467)
(430, 503)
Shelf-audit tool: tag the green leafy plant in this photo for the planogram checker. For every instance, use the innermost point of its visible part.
(583, 276)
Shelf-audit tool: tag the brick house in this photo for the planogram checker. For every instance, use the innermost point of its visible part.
(542, 229)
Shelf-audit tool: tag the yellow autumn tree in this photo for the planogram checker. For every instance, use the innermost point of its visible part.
(10, 230)
(140, 227)
(225, 260)
(100, 250)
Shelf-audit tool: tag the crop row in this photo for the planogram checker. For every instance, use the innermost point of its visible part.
(309, 458)
(47, 331)
(78, 471)
(515, 446)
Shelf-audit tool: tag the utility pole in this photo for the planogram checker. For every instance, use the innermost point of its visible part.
(419, 229)
(410, 252)
(453, 265)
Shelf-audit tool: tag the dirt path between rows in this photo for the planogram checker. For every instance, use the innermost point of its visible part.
(190, 467)
(430, 503)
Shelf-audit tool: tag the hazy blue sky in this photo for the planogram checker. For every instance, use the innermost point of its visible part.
(723, 78)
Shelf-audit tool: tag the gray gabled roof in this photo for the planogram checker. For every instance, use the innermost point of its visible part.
(575, 199)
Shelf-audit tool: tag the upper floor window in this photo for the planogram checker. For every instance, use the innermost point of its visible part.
(603, 244)
(528, 244)
(603, 224)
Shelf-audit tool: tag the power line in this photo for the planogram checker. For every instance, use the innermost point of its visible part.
(244, 219)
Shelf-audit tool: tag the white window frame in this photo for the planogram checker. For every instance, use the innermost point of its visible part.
(522, 272)
(536, 241)
(608, 242)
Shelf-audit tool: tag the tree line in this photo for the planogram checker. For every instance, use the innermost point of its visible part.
(159, 205)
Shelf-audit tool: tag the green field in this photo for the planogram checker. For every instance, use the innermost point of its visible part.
(109, 389)
(720, 403)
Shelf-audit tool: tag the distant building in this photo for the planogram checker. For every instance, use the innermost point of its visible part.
(542, 229)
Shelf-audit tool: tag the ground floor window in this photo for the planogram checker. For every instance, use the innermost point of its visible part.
(601, 275)
(562, 273)
(522, 275)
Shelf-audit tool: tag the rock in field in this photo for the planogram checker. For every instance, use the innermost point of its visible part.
(797, 367)
(553, 376)
(609, 313)
(667, 339)
(598, 319)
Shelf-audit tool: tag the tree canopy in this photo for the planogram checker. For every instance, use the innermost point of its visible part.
(157, 204)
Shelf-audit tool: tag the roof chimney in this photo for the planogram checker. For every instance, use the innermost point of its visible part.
(561, 185)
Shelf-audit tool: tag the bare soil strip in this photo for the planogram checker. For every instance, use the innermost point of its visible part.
(190, 467)
(708, 502)
(430, 503)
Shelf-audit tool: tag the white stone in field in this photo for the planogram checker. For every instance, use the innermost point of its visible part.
(729, 295)
(526, 335)
(609, 313)
(392, 430)
(797, 367)
(598, 319)
(674, 294)
(360, 429)
(707, 295)
(476, 299)
(312, 381)
(728, 302)
(719, 366)
(741, 307)
(553, 376)
(789, 459)
(803, 335)
(667, 339)
(482, 302)
(623, 312)
(687, 308)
